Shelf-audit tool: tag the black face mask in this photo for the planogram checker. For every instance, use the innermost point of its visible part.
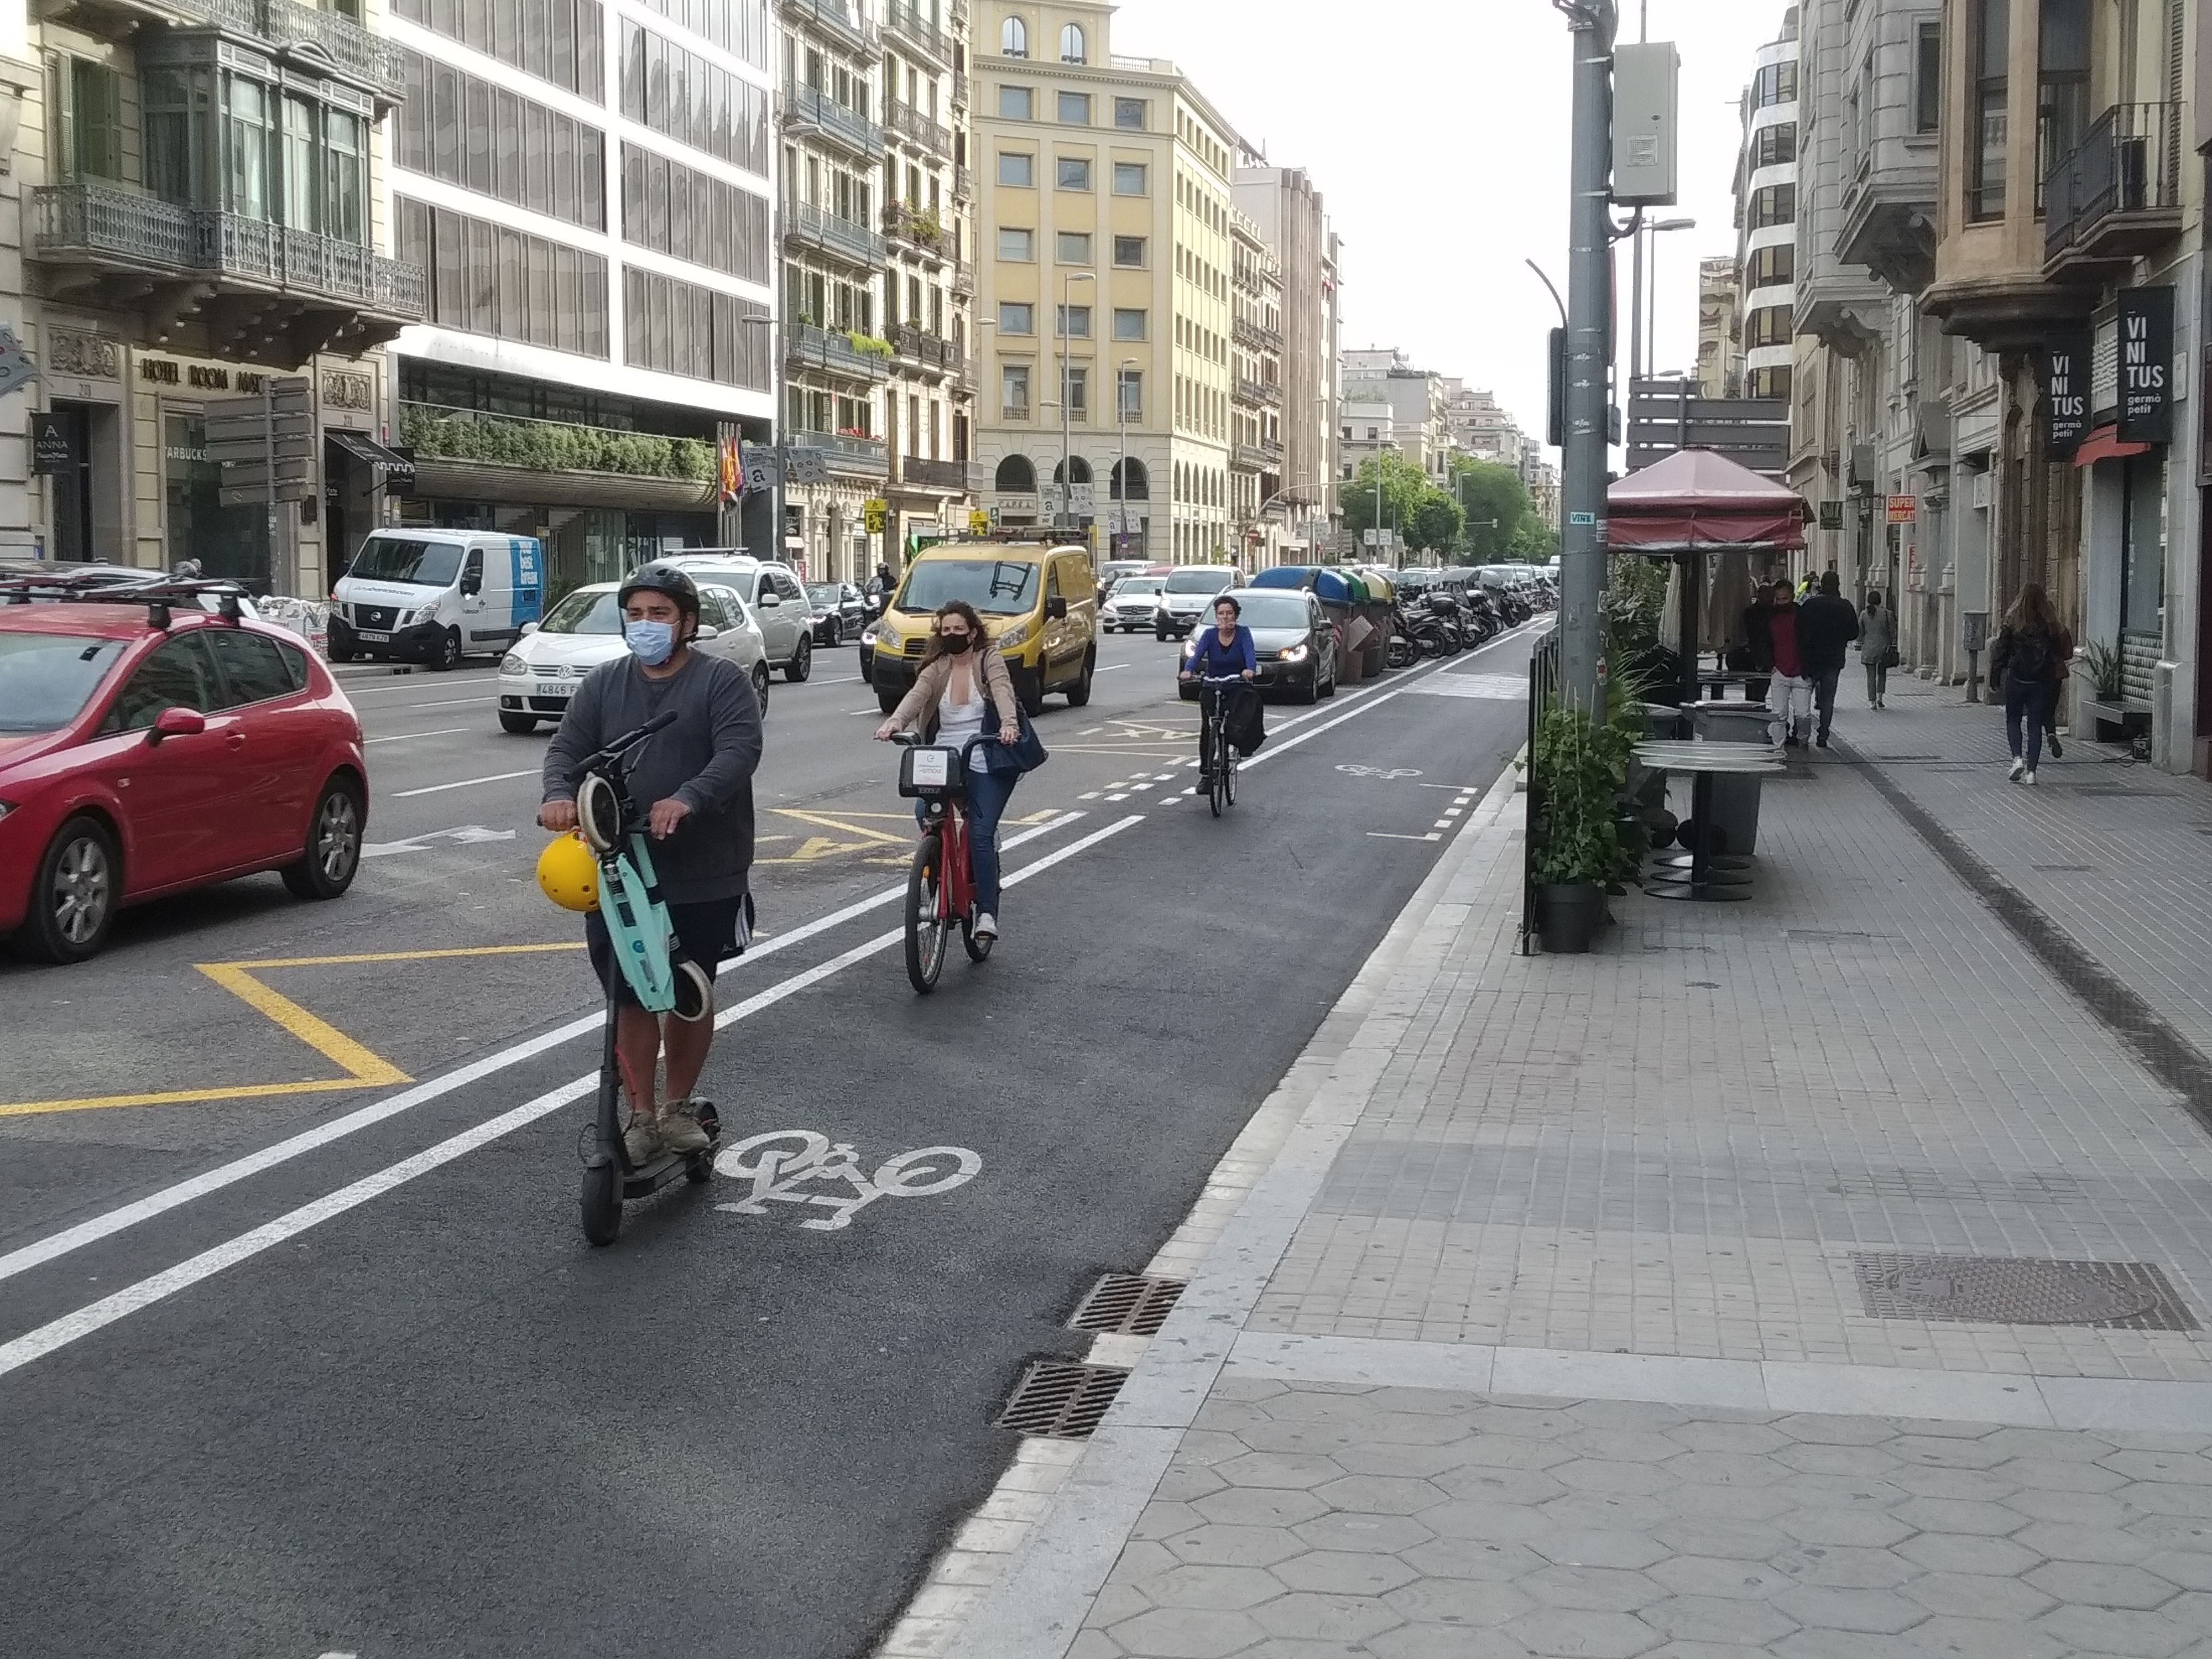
(956, 644)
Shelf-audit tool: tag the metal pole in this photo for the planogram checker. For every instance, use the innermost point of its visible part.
(1066, 441)
(1589, 353)
(1636, 307)
(269, 460)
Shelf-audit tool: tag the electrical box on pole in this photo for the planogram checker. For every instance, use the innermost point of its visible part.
(1646, 122)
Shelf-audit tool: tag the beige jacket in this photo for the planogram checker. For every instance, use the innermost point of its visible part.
(919, 706)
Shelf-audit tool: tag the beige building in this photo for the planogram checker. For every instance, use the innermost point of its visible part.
(1256, 489)
(1419, 403)
(1288, 212)
(1718, 287)
(199, 192)
(1106, 251)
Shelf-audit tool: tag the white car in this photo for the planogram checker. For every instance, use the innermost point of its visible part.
(537, 678)
(1131, 604)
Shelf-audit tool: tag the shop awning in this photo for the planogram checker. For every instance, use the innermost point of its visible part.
(2105, 444)
(1699, 501)
(394, 470)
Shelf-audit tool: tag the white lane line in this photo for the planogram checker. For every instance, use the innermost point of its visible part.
(1451, 812)
(134, 1299)
(443, 731)
(91, 1232)
(850, 712)
(1144, 783)
(1385, 835)
(1123, 795)
(455, 703)
(466, 783)
(1111, 667)
(1088, 795)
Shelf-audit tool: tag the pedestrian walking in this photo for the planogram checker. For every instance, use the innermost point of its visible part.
(2058, 701)
(1789, 693)
(2025, 660)
(1877, 648)
(1758, 646)
(1826, 625)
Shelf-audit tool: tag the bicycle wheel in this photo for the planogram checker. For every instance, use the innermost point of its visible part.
(925, 926)
(1229, 777)
(979, 950)
(1218, 785)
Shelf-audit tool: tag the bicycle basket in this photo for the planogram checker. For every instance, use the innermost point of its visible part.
(932, 773)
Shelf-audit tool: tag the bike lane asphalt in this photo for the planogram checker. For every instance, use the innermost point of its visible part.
(436, 1423)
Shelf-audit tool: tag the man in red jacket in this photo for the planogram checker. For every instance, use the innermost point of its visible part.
(1790, 695)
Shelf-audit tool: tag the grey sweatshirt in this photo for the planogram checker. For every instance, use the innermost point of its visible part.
(706, 760)
(1877, 632)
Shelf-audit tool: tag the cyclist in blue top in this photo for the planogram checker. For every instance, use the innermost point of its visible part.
(1223, 652)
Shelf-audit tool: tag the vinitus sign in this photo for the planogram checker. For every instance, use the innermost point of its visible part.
(2065, 369)
(2146, 342)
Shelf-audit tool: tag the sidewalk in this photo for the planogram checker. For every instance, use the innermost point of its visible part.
(1588, 1307)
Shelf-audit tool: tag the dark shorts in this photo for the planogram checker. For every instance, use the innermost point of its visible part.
(706, 932)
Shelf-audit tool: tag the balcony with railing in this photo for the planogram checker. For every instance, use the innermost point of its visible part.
(818, 228)
(917, 347)
(864, 457)
(964, 185)
(807, 345)
(322, 41)
(835, 18)
(924, 473)
(1255, 337)
(905, 22)
(2115, 195)
(915, 231)
(812, 108)
(1257, 458)
(963, 274)
(116, 240)
(960, 89)
(1249, 390)
(915, 128)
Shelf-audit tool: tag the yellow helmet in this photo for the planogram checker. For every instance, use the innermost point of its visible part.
(568, 873)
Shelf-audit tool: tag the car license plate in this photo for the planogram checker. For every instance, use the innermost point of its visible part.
(551, 689)
(374, 639)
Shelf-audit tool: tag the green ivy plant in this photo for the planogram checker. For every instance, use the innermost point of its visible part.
(553, 446)
(868, 344)
(1580, 766)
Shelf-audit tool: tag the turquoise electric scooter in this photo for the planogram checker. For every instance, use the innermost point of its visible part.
(648, 958)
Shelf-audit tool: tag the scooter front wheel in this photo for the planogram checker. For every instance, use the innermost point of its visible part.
(602, 1203)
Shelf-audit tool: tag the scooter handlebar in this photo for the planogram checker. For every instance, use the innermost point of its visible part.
(629, 740)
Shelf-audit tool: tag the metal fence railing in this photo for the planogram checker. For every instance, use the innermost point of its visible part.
(1543, 693)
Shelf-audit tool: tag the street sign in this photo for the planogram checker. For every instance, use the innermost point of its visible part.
(876, 512)
(1903, 509)
(16, 369)
(1580, 519)
(1084, 497)
(806, 466)
(51, 450)
(979, 523)
(247, 434)
(763, 468)
(1832, 515)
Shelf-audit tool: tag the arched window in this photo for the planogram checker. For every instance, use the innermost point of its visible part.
(1014, 37)
(1070, 43)
(1079, 468)
(1016, 477)
(1131, 481)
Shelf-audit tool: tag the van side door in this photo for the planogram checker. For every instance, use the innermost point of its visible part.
(477, 624)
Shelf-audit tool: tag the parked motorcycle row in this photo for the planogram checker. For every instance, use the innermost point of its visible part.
(1441, 613)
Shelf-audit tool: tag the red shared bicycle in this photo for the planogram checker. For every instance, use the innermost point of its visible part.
(940, 884)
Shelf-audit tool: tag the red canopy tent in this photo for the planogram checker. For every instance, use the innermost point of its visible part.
(1700, 501)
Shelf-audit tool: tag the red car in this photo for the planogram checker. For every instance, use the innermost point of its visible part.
(145, 749)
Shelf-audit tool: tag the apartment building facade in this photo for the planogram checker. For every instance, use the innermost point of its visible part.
(201, 212)
(1766, 217)
(1257, 491)
(1718, 287)
(1420, 402)
(1288, 211)
(1106, 254)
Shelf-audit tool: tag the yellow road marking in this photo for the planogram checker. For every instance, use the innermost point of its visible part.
(180, 1097)
(398, 955)
(362, 1064)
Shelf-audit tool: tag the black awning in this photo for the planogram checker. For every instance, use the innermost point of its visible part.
(394, 470)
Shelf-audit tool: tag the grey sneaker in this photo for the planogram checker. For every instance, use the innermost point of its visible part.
(679, 1127)
(642, 1140)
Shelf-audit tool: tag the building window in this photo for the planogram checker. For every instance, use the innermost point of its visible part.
(2061, 89)
(1071, 45)
(475, 290)
(1017, 476)
(1017, 104)
(1767, 326)
(1775, 204)
(1014, 391)
(90, 99)
(1776, 84)
(1074, 172)
(1074, 109)
(1129, 405)
(1014, 37)
(680, 94)
(1129, 252)
(1985, 188)
(540, 37)
(1928, 78)
(1777, 264)
(542, 159)
(1131, 179)
(1130, 325)
(1075, 322)
(1016, 170)
(1776, 144)
(1017, 317)
(1078, 396)
(1018, 245)
(1072, 248)
(673, 210)
(1769, 382)
(1134, 114)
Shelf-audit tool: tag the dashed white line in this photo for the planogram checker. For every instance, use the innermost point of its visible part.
(444, 731)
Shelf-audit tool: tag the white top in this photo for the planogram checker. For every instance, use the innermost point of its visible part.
(959, 722)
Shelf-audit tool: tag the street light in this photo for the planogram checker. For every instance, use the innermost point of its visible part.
(1121, 488)
(1066, 439)
(1648, 359)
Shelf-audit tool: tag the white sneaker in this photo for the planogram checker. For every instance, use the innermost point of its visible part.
(2019, 766)
(986, 925)
(2028, 777)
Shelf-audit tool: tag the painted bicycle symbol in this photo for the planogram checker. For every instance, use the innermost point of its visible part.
(784, 1163)
(1389, 774)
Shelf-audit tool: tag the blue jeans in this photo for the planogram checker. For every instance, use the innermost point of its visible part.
(987, 795)
(2027, 700)
(1824, 695)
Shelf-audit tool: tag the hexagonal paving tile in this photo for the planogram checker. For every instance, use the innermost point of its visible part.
(2191, 1568)
(1459, 1602)
(2116, 1631)
(2058, 1475)
(1814, 1429)
(1716, 1618)
(2061, 1445)
(1185, 1633)
(1474, 1518)
(1978, 1596)
(1427, 1642)
(1730, 1503)
(2172, 1468)
(1379, 1494)
(2160, 1499)
(1843, 1567)
(1730, 1540)
(1754, 1439)
(1216, 1546)
(1622, 1445)
(1184, 1481)
(1980, 1638)
(2061, 1543)
(1602, 1475)
(1402, 1459)
(1259, 1506)
(1982, 1486)
(1311, 1439)
(2081, 1508)
(1095, 1645)
(2103, 1584)
(1539, 1419)
(1596, 1590)
(1278, 1469)
(1947, 1451)
(1333, 1618)
(1952, 1553)
(1725, 1468)
(1413, 1428)
(1604, 1511)
(1728, 1578)
(1824, 1607)
(1513, 1451)
(1501, 1486)
(1228, 1588)
(1387, 1533)
(1483, 1559)
(1631, 1414)
(1870, 1529)
(1582, 1635)
(1960, 1514)
(1345, 1572)
(1859, 1462)
(1429, 1402)
(1595, 1547)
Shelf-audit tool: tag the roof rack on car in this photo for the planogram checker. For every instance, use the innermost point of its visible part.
(156, 592)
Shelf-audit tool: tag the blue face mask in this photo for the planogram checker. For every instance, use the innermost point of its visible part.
(651, 643)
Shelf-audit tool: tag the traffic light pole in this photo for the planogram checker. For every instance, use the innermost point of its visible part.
(1589, 357)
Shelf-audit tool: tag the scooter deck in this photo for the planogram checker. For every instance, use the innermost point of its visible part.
(665, 1168)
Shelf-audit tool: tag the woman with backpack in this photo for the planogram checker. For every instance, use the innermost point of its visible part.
(1877, 647)
(2025, 660)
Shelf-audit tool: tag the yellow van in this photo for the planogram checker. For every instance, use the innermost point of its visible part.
(1038, 601)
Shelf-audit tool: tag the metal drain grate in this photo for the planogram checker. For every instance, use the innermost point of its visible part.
(1985, 1290)
(2063, 869)
(1829, 936)
(1129, 1304)
(1062, 1399)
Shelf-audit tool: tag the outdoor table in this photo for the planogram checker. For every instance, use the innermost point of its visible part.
(1704, 761)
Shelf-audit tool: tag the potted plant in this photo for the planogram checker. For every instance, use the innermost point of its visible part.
(1578, 766)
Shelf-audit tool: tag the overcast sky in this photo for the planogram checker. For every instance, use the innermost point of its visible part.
(1438, 131)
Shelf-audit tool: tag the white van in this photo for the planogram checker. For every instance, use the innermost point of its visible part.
(435, 595)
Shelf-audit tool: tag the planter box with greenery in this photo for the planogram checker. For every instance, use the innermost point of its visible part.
(1580, 767)
(551, 446)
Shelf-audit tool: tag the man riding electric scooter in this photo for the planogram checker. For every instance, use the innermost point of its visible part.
(697, 774)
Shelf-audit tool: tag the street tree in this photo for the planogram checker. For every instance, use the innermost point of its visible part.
(1403, 486)
(1439, 523)
(1494, 502)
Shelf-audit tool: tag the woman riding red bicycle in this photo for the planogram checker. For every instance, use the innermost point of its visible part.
(962, 692)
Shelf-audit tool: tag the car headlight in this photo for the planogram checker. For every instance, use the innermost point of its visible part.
(1295, 653)
(511, 663)
(1018, 636)
(426, 613)
(6, 807)
(871, 636)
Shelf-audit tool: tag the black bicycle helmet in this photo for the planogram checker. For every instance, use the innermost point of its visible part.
(662, 577)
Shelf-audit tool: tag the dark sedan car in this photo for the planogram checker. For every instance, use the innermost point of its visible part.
(840, 612)
(1293, 637)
